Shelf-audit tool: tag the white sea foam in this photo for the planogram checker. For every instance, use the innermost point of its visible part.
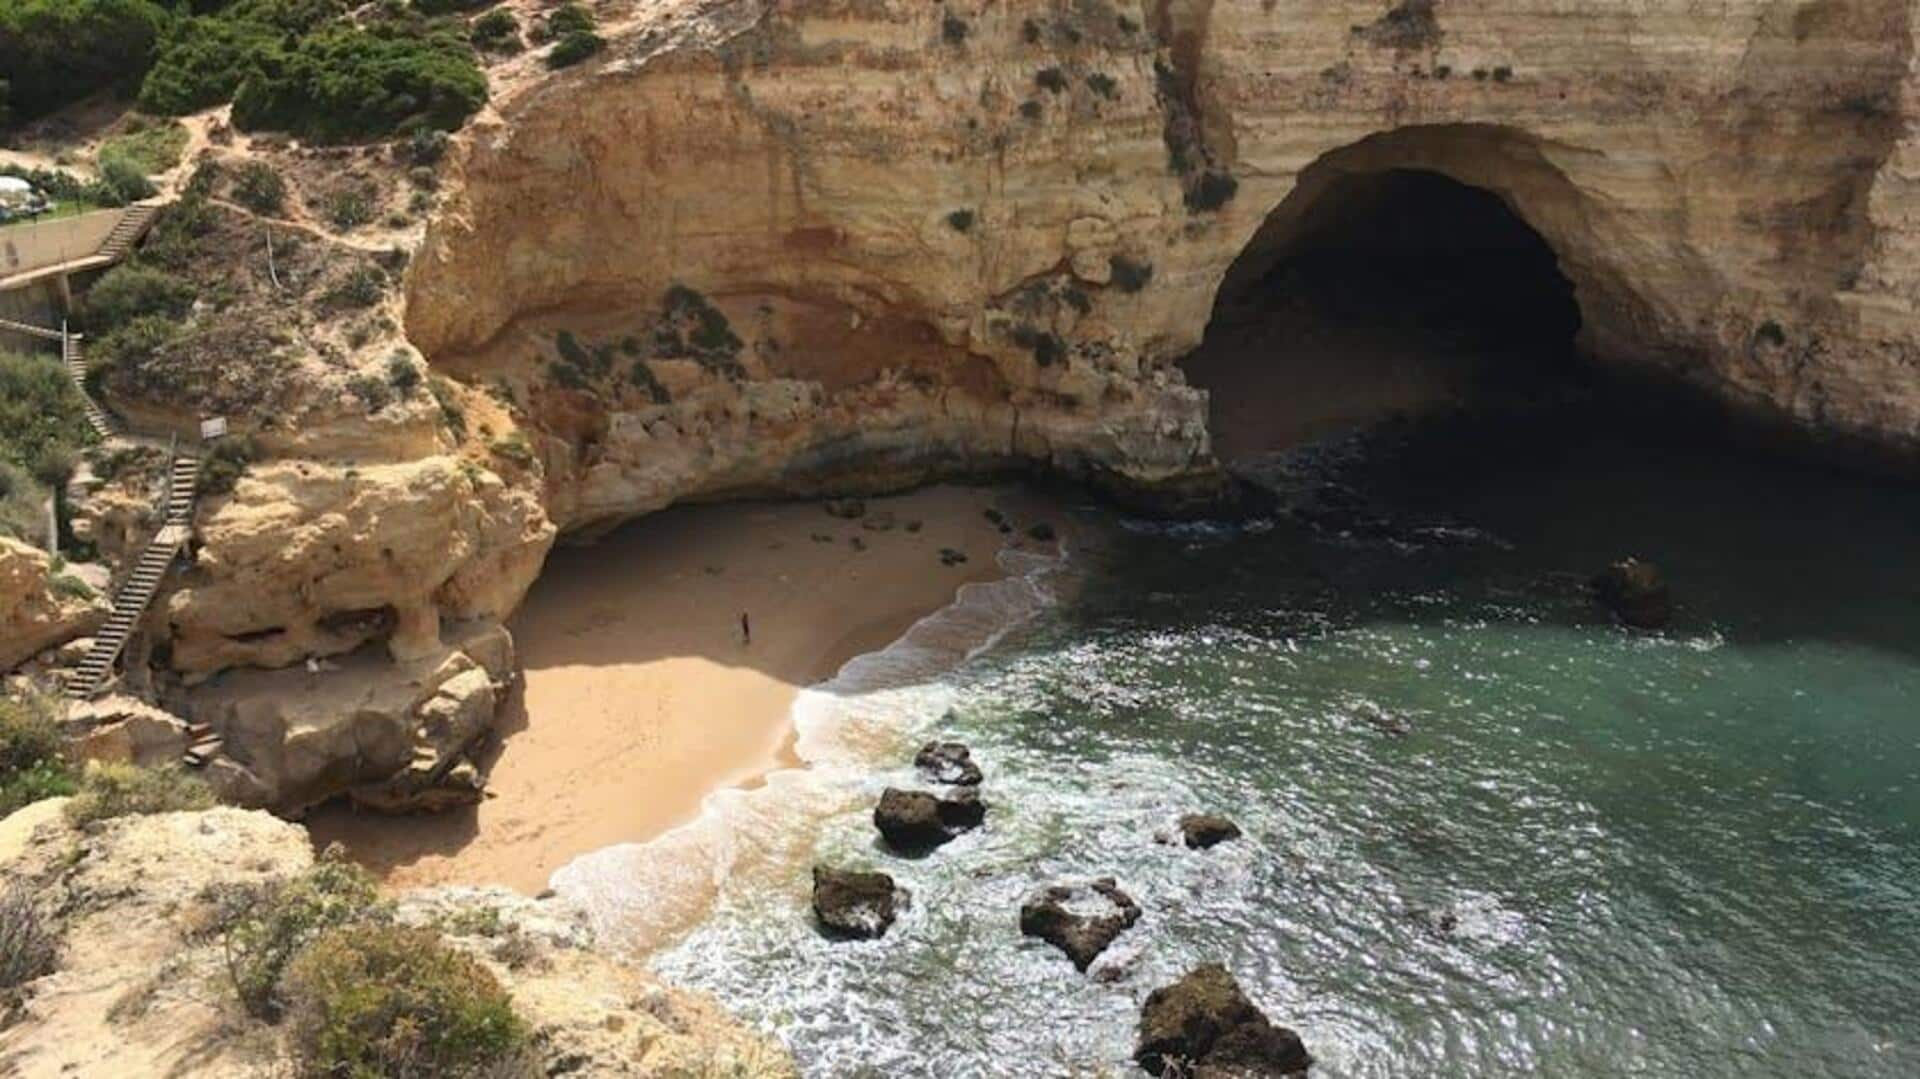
(639, 895)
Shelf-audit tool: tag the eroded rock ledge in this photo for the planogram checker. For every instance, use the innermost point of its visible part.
(829, 246)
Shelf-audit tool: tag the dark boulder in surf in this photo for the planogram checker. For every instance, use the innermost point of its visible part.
(1203, 1025)
(1203, 830)
(948, 762)
(1080, 919)
(855, 906)
(915, 821)
(1635, 592)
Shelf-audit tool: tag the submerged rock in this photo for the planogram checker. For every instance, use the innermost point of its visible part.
(948, 762)
(1043, 533)
(854, 905)
(1382, 720)
(1203, 830)
(1203, 1025)
(1635, 592)
(918, 821)
(1080, 920)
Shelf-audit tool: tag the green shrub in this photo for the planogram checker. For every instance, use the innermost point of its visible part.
(33, 758)
(200, 63)
(344, 82)
(573, 47)
(402, 374)
(29, 939)
(110, 790)
(259, 188)
(569, 18)
(224, 464)
(1050, 79)
(349, 209)
(394, 1001)
(266, 926)
(55, 52)
(960, 220)
(151, 149)
(132, 350)
(372, 392)
(361, 287)
(133, 290)
(448, 7)
(953, 29)
(451, 411)
(174, 240)
(42, 428)
(125, 179)
(497, 30)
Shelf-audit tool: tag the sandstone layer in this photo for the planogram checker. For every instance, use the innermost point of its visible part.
(38, 611)
(829, 246)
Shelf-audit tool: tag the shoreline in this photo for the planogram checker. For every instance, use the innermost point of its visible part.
(639, 698)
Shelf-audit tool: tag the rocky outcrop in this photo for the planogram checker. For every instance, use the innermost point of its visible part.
(948, 762)
(853, 905)
(1080, 919)
(1001, 252)
(141, 987)
(1201, 831)
(1635, 592)
(392, 737)
(1203, 1025)
(312, 560)
(38, 608)
(916, 821)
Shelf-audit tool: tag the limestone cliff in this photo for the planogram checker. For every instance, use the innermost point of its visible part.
(828, 244)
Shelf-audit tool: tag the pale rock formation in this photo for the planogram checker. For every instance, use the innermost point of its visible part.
(126, 730)
(392, 736)
(313, 559)
(828, 246)
(35, 615)
(141, 988)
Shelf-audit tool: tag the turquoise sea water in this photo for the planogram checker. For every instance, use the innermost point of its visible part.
(1489, 833)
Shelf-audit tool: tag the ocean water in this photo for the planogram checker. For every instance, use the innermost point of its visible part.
(1489, 833)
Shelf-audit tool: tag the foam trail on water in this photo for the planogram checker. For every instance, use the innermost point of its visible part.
(638, 895)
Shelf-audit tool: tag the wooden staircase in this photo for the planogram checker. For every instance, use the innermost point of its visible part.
(137, 591)
(127, 231)
(98, 418)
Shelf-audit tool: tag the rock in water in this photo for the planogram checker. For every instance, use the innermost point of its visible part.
(1080, 920)
(1203, 830)
(948, 762)
(1043, 533)
(857, 906)
(1203, 1025)
(1635, 592)
(919, 821)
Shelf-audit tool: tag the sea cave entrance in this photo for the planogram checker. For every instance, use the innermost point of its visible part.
(1379, 291)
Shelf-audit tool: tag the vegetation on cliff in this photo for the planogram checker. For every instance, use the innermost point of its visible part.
(33, 760)
(308, 67)
(42, 430)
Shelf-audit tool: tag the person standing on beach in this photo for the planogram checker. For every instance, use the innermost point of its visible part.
(746, 629)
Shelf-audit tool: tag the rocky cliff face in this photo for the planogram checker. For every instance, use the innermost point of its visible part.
(960, 234)
(835, 245)
(141, 986)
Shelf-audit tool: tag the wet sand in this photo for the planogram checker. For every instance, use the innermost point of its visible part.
(639, 694)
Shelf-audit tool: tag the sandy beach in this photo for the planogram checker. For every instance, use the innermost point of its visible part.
(640, 695)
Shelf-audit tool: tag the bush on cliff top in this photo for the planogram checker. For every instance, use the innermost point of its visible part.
(29, 939)
(33, 761)
(109, 790)
(344, 82)
(265, 926)
(394, 1001)
(56, 52)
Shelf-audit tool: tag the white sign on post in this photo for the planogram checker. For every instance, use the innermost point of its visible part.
(213, 428)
